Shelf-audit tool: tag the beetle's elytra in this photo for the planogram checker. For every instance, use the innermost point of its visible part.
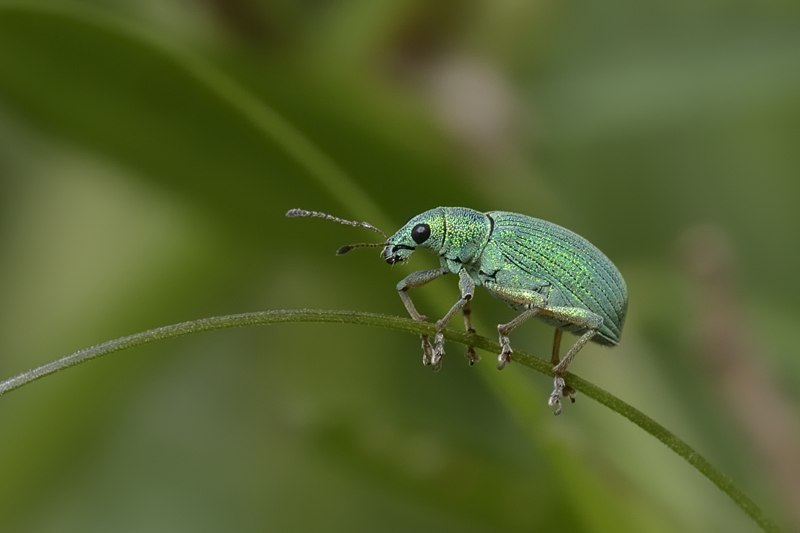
(539, 268)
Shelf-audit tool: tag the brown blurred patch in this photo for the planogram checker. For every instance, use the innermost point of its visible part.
(735, 362)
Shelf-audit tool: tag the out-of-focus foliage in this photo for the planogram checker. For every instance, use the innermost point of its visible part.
(148, 152)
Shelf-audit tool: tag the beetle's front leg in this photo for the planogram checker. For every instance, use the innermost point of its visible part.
(417, 279)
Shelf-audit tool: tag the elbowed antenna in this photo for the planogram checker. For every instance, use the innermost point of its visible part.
(294, 213)
(318, 214)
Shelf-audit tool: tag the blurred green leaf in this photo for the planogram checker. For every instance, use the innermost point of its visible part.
(126, 95)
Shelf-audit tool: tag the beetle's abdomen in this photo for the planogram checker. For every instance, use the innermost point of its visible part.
(580, 274)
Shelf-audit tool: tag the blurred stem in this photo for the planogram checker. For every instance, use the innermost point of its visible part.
(401, 324)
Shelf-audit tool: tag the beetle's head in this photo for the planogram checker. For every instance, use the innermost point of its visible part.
(424, 230)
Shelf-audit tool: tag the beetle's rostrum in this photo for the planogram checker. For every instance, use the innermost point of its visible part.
(539, 268)
(390, 252)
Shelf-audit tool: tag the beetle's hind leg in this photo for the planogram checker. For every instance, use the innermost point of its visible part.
(584, 319)
(567, 391)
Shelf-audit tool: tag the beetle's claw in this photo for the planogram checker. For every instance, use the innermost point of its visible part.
(432, 353)
(560, 388)
(505, 352)
(427, 351)
(437, 351)
(471, 356)
(569, 392)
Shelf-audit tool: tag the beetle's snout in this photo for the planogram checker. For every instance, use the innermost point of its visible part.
(396, 253)
(389, 255)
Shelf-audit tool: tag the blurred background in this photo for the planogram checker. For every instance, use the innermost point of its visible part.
(148, 153)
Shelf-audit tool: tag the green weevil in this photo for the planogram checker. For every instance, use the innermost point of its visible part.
(539, 268)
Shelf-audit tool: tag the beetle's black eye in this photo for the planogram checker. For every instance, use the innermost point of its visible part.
(420, 233)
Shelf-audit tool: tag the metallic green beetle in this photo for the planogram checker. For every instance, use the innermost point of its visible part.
(537, 267)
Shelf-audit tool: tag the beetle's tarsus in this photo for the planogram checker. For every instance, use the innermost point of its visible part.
(560, 388)
(555, 397)
(427, 351)
(437, 351)
(505, 352)
(471, 356)
(569, 392)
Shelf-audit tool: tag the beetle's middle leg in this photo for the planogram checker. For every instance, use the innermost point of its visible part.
(467, 288)
(531, 300)
(504, 329)
(472, 357)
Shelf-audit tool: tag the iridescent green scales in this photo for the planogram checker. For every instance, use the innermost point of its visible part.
(578, 274)
(537, 267)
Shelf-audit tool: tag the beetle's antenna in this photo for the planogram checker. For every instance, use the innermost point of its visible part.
(304, 213)
(347, 247)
